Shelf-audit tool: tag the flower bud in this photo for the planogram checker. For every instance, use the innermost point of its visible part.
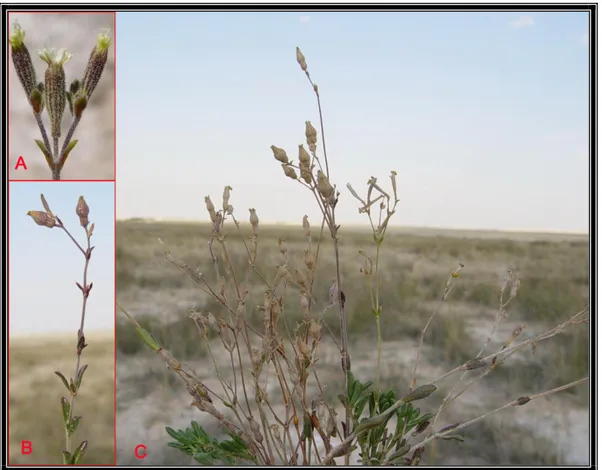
(42, 218)
(79, 104)
(36, 99)
(96, 63)
(254, 220)
(279, 154)
(22, 60)
(54, 87)
(82, 210)
(301, 60)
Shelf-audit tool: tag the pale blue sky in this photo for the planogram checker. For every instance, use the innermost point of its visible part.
(45, 263)
(483, 115)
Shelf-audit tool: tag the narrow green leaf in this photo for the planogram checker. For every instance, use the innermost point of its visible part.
(72, 426)
(80, 376)
(79, 452)
(66, 457)
(150, 341)
(66, 409)
(66, 153)
(62, 377)
(46, 153)
(172, 432)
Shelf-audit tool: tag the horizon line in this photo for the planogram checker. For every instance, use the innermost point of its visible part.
(367, 226)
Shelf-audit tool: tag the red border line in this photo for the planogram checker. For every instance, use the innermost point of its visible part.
(114, 238)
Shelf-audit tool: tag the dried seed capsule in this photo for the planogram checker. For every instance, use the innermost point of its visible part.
(282, 246)
(42, 218)
(304, 157)
(310, 260)
(54, 87)
(306, 226)
(324, 186)
(210, 209)
(310, 134)
(279, 154)
(96, 63)
(226, 198)
(289, 171)
(82, 210)
(22, 60)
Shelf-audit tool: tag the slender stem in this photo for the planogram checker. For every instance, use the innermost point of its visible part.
(377, 314)
(69, 136)
(515, 402)
(81, 328)
(42, 130)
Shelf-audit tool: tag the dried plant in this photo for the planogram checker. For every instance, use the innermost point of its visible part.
(71, 421)
(272, 403)
(52, 94)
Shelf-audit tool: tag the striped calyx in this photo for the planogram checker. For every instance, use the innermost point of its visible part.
(54, 87)
(96, 63)
(22, 60)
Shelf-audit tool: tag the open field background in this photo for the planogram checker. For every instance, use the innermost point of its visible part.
(416, 264)
(35, 393)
